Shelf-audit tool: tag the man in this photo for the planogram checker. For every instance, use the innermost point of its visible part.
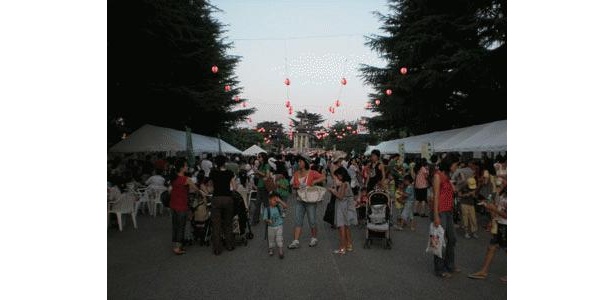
(262, 172)
(376, 172)
(207, 165)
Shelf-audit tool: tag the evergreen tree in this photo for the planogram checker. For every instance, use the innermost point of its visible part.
(160, 59)
(455, 54)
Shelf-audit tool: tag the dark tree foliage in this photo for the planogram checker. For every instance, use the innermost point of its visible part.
(307, 121)
(160, 59)
(242, 138)
(455, 53)
(274, 131)
(349, 141)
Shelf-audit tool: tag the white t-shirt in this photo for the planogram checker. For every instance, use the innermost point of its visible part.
(206, 166)
(155, 180)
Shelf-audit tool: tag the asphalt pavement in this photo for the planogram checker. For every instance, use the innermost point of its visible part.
(140, 265)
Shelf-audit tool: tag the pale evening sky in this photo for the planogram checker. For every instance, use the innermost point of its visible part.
(270, 37)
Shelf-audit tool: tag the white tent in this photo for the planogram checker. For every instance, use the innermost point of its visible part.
(151, 138)
(253, 150)
(484, 137)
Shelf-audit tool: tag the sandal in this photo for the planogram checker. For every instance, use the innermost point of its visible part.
(477, 276)
(178, 251)
(446, 275)
(349, 248)
(339, 251)
(270, 252)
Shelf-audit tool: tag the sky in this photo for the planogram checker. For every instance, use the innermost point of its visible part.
(313, 43)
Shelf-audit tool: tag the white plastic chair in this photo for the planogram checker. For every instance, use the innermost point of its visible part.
(154, 194)
(124, 205)
(142, 198)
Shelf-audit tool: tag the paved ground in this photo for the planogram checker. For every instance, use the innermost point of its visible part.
(140, 265)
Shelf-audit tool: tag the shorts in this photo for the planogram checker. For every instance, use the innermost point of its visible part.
(421, 194)
(500, 237)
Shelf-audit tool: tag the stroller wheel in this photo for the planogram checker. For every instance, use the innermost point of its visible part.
(249, 235)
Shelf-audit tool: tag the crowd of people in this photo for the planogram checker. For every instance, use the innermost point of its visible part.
(447, 188)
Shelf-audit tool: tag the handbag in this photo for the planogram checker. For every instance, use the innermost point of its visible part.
(312, 194)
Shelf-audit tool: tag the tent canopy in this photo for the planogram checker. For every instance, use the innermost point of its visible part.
(253, 150)
(477, 138)
(151, 138)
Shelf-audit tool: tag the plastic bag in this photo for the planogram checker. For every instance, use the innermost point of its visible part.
(436, 241)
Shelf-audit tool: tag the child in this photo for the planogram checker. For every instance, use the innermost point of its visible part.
(407, 215)
(272, 215)
(467, 197)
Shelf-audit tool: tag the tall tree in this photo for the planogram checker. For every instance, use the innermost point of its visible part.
(455, 56)
(161, 54)
(274, 132)
(307, 121)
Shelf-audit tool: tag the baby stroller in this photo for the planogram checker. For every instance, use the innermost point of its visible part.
(201, 221)
(241, 221)
(378, 219)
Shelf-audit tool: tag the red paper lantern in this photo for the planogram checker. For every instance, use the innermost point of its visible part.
(244, 104)
(368, 105)
(287, 81)
(214, 69)
(333, 110)
(344, 81)
(348, 127)
(338, 103)
(236, 98)
(290, 110)
(389, 92)
(403, 70)
(227, 88)
(354, 132)
(377, 102)
(287, 103)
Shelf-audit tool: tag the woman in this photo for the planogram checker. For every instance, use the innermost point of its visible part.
(421, 184)
(222, 204)
(443, 215)
(303, 178)
(343, 209)
(180, 186)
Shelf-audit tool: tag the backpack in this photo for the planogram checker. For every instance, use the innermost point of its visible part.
(165, 198)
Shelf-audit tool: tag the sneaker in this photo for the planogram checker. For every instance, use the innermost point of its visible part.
(294, 245)
(474, 235)
(313, 242)
(467, 236)
(270, 252)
